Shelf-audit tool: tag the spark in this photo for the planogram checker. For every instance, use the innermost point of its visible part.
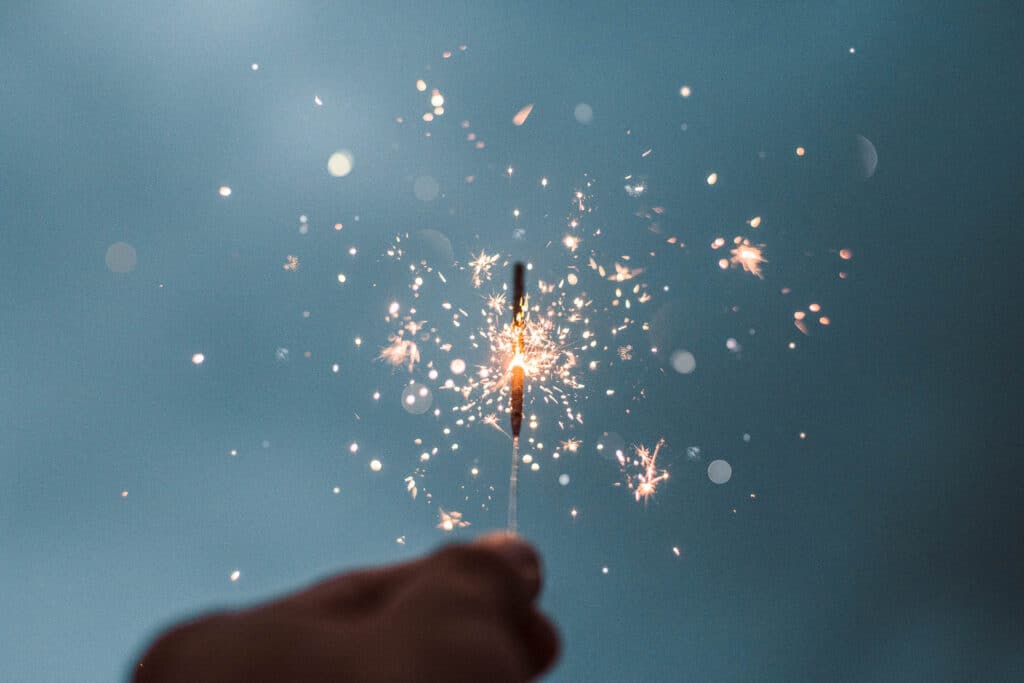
(481, 265)
(497, 302)
(644, 482)
(401, 351)
(451, 520)
(749, 257)
(623, 273)
(292, 263)
(523, 114)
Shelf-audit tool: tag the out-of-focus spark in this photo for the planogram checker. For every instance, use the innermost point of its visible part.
(623, 273)
(523, 114)
(571, 445)
(292, 263)
(451, 520)
(749, 257)
(401, 351)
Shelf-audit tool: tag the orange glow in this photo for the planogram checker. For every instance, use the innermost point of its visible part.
(523, 114)
(749, 257)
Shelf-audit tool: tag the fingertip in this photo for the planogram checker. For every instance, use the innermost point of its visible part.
(542, 641)
(518, 553)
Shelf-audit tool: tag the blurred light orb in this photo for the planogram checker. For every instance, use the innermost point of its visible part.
(376, 465)
(800, 151)
(432, 246)
(712, 179)
(235, 575)
(339, 164)
(341, 278)
(611, 446)
(563, 479)
(426, 188)
(198, 358)
(224, 191)
(719, 471)
(584, 113)
(121, 257)
(683, 362)
(685, 91)
(417, 399)
(255, 66)
(458, 366)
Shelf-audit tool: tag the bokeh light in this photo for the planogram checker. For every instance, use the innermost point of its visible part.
(417, 398)
(121, 257)
(340, 163)
(719, 471)
(426, 188)
(584, 113)
(683, 362)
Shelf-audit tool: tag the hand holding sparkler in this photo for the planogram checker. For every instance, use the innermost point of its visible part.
(464, 613)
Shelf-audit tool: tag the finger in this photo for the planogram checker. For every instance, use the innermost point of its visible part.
(519, 554)
(506, 562)
(493, 573)
(541, 642)
(359, 589)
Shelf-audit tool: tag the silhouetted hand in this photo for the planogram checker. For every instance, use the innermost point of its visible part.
(465, 613)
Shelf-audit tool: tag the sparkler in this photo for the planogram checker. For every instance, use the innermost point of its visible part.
(518, 380)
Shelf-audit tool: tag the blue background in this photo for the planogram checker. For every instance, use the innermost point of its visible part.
(882, 547)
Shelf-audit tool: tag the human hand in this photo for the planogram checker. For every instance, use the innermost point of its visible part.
(464, 613)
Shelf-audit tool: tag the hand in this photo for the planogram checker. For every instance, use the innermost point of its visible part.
(465, 613)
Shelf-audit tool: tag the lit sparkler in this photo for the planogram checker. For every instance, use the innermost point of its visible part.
(518, 380)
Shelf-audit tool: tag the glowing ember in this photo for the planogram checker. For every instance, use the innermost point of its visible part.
(749, 257)
(451, 520)
(523, 114)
